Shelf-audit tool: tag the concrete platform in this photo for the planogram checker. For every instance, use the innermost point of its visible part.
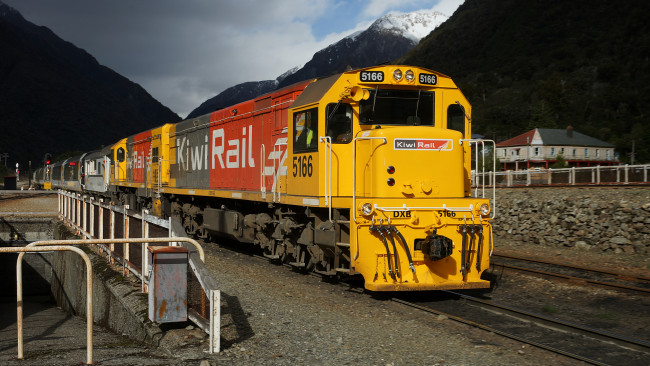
(53, 337)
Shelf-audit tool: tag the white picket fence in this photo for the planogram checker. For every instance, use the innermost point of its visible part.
(595, 175)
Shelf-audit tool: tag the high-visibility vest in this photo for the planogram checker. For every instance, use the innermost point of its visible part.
(310, 134)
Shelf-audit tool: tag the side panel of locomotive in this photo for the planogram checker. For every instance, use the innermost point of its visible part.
(232, 151)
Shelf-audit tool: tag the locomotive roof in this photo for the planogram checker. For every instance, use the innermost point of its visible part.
(315, 91)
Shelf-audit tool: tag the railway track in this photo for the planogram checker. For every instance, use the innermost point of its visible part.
(574, 274)
(576, 341)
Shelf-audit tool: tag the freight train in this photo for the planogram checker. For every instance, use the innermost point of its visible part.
(366, 172)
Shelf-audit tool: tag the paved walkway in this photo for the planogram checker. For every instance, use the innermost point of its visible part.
(53, 337)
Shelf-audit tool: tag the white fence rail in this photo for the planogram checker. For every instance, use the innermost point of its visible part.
(596, 175)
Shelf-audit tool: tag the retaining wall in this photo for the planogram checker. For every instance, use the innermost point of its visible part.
(610, 219)
(118, 304)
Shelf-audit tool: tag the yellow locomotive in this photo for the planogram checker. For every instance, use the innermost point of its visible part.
(366, 172)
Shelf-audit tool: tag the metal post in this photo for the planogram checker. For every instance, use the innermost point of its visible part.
(215, 320)
(100, 222)
(111, 247)
(77, 205)
(92, 216)
(126, 235)
(85, 214)
(145, 245)
(573, 175)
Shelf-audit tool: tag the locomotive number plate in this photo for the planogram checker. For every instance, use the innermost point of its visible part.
(372, 76)
(430, 79)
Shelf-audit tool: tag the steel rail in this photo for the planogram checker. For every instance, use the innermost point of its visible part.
(501, 333)
(620, 340)
(572, 278)
(584, 268)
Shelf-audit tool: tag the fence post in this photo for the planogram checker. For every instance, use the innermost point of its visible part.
(85, 215)
(618, 175)
(645, 173)
(528, 178)
(627, 174)
(126, 247)
(573, 175)
(111, 247)
(597, 174)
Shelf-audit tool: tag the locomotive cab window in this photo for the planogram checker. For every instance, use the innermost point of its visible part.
(305, 131)
(339, 122)
(398, 107)
(456, 118)
(119, 156)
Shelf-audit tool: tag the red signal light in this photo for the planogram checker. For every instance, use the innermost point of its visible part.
(390, 182)
(48, 162)
(390, 169)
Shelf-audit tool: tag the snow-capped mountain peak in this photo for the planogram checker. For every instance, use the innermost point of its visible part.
(415, 26)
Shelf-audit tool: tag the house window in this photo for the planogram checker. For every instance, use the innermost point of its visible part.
(607, 154)
(575, 151)
(562, 150)
(586, 153)
(552, 151)
(597, 153)
(536, 151)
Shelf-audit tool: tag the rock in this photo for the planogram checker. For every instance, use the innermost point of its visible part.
(582, 245)
(620, 240)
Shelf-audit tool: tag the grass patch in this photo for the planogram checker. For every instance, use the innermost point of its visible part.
(548, 308)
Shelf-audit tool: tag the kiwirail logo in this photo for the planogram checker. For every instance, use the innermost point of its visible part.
(424, 144)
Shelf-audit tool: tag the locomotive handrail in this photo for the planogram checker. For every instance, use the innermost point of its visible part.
(404, 207)
(328, 173)
(481, 143)
(354, 171)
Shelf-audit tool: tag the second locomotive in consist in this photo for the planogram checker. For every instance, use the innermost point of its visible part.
(364, 172)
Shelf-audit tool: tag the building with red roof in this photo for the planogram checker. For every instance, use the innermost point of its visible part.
(540, 148)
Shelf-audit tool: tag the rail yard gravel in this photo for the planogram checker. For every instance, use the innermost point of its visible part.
(272, 315)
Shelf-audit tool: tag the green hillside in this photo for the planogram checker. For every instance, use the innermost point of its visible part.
(526, 64)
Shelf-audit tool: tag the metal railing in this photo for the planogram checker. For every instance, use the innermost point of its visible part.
(108, 225)
(49, 247)
(481, 153)
(596, 175)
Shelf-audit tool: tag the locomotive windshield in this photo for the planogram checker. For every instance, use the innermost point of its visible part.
(397, 107)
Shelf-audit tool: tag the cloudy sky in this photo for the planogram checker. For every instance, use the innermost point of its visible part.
(184, 52)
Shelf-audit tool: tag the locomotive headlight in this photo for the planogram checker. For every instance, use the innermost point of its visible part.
(484, 209)
(409, 75)
(390, 182)
(390, 169)
(397, 75)
(366, 209)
